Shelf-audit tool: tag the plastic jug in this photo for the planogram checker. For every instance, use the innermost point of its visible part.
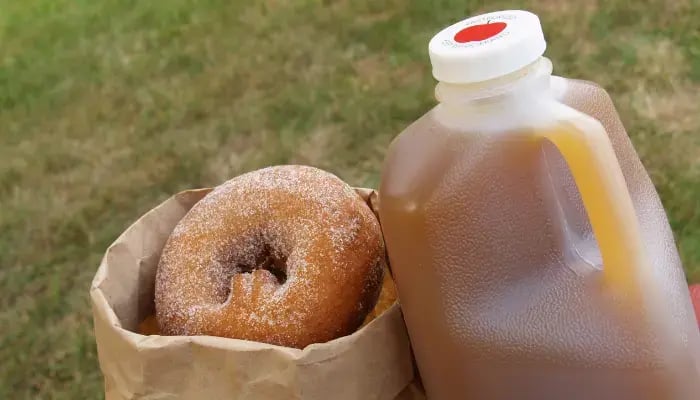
(532, 256)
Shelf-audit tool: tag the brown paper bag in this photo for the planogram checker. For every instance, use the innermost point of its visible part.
(372, 363)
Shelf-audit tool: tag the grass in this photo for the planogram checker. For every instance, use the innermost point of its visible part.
(109, 107)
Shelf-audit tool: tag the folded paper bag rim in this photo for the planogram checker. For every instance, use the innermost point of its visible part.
(372, 363)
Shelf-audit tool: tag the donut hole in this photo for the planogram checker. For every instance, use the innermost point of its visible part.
(268, 260)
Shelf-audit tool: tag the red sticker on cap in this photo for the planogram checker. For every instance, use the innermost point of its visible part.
(477, 33)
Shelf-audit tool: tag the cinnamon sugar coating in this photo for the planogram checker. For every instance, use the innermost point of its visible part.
(286, 255)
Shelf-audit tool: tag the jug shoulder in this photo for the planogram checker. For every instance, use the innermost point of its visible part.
(587, 97)
(415, 157)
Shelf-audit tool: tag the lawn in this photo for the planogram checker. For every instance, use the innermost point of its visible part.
(108, 107)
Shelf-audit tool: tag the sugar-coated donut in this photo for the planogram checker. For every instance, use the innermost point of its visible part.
(286, 255)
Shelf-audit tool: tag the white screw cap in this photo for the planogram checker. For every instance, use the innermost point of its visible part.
(486, 46)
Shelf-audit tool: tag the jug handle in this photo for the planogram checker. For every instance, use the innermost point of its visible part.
(586, 147)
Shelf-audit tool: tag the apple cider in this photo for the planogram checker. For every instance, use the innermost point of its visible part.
(532, 256)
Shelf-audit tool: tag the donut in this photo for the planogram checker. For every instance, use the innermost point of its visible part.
(387, 298)
(286, 255)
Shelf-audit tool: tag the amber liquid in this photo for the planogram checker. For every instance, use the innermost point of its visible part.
(499, 276)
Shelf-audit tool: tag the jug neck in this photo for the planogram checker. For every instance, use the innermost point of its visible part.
(514, 90)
